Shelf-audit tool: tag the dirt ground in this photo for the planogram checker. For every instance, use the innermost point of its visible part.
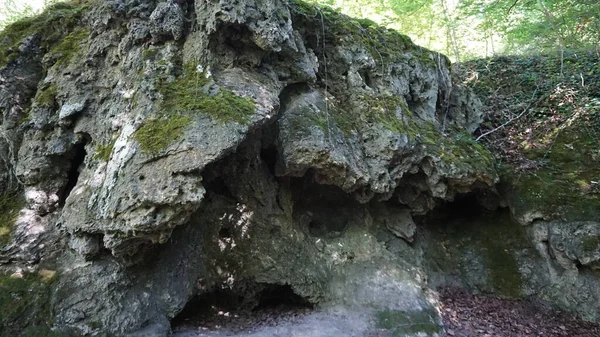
(467, 315)
(464, 315)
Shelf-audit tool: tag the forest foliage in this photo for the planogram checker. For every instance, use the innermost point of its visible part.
(461, 29)
(467, 29)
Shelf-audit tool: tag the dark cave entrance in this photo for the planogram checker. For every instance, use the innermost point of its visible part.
(464, 206)
(240, 307)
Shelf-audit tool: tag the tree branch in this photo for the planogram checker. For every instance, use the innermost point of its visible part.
(511, 7)
(510, 120)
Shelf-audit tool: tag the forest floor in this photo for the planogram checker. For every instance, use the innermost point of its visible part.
(464, 315)
(467, 315)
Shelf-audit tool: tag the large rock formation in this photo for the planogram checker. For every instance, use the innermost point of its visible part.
(163, 151)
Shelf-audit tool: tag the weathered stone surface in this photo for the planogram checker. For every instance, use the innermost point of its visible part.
(161, 160)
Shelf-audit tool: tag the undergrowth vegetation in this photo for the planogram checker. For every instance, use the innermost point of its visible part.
(10, 205)
(545, 125)
(50, 27)
(25, 304)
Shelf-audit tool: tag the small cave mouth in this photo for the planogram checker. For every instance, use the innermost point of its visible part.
(240, 308)
(468, 206)
(280, 297)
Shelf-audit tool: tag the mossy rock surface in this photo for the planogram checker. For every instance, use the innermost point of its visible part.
(51, 26)
(10, 205)
(46, 97)
(385, 45)
(352, 116)
(157, 134)
(70, 46)
(194, 92)
(25, 306)
(482, 250)
(566, 185)
(553, 149)
(103, 152)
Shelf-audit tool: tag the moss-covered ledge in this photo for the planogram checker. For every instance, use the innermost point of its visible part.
(192, 93)
(195, 92)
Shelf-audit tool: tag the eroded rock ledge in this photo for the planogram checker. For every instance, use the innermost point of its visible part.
(167, 150)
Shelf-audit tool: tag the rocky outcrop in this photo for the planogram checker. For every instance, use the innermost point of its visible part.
(167, 150)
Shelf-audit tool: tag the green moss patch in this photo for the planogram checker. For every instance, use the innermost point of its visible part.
(590, 243)
(189, 94)
(10, 205)
(70, 46)
(458, 149)
(50, 26)
(150, 53)
(46, 97)
(157, 134)
(103, 152)
(564, 186)
(403, 323)
(353, 115)
(25, 306)
(552, 151)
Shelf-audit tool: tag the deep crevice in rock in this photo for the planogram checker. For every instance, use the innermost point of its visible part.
(78, 155)
(269, 157)
(269, 153)
(280, 296)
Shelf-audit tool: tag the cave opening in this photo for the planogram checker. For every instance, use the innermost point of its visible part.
(240, 307)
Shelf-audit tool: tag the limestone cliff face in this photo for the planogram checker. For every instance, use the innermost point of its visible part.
(162, 150)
